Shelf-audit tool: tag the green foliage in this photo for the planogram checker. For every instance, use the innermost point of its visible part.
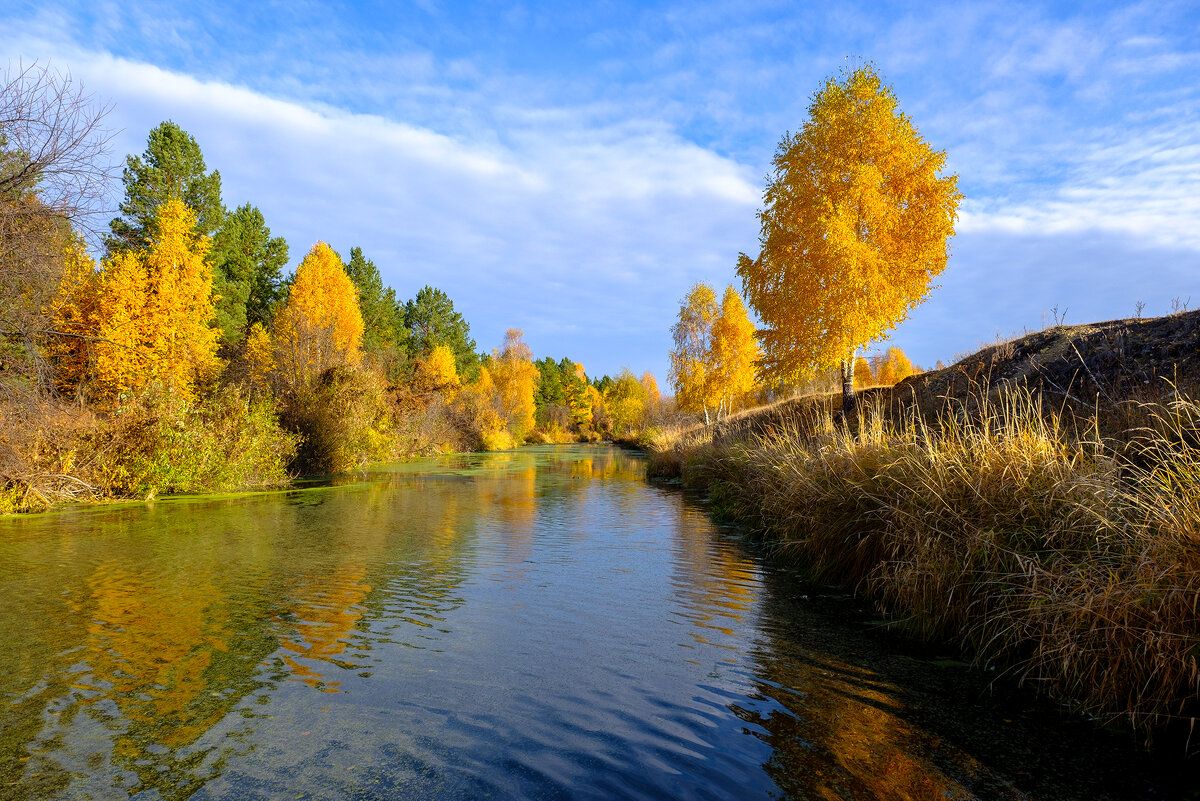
(162, 443)
(247, 271)
(172, 166)
(384, 334)
(431, 320)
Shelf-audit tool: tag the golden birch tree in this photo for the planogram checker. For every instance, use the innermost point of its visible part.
(731, 374)
(854, 228)
(691, 357)
(321, 326)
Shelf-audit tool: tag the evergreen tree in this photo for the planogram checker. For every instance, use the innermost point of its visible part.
(431, 320)
(247, 272)
(171, 168)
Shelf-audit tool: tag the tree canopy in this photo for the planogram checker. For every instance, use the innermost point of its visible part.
(247, 275)
(171, 167)
(854, 228)
(431, 320)
(321, 326)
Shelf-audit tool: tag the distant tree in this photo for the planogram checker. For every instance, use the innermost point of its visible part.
(734, 352)
(171, 168)
(653, 396)
(247, 274)
(691, 357)
(515, 378)
(320, 326)
(575, 391)
(854, 228)
(625, 402)
(894, 367)
(863, 377)
(431, 320)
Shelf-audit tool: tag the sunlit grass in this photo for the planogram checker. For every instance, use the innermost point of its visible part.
(996, 523)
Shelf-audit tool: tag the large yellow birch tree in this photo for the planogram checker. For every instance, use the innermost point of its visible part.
(854, 228)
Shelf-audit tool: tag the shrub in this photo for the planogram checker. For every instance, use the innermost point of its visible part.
(161, 443)
(343, 420)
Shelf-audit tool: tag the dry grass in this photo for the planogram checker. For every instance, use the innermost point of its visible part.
(995, 523)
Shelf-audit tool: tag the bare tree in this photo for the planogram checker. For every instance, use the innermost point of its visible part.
(54, 173)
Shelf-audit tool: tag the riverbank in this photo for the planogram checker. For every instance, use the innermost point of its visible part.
(1037, 503)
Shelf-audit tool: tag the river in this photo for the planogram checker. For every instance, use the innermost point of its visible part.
(535, 624)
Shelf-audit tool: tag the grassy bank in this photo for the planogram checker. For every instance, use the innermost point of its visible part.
(1043, 542)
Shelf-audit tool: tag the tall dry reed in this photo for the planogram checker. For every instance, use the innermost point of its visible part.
(999, 526)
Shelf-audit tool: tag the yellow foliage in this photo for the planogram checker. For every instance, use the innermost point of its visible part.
(650, 387)
(321, 325)
(148, 312)
(734, 353)
(516, 378)
(863, 377)
(894, 367)
(260, 355)
(626, 403)
(579, 401)
(440, 366)
(854, 228)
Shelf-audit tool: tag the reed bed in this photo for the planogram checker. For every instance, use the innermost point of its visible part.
(1049, 553)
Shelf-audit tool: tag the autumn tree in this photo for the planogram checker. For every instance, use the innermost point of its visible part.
(854, 228)
(731, 375)
(653, 396)
(625, 402)
(146, 315)
(247, 271)
(320, 326)
(894, 366)
(576, 392)
(515, 378)
(691, 358)
(171, 168)
(863, 377)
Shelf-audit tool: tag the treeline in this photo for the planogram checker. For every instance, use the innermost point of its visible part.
(184, 359)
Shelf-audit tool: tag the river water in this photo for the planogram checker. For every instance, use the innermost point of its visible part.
(534, 624)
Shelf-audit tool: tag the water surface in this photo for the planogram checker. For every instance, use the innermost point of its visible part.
(535, 624)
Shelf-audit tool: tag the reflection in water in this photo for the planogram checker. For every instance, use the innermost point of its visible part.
(326, 613)
(540, 623)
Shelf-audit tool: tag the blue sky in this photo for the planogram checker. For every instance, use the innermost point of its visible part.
(571, 169)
